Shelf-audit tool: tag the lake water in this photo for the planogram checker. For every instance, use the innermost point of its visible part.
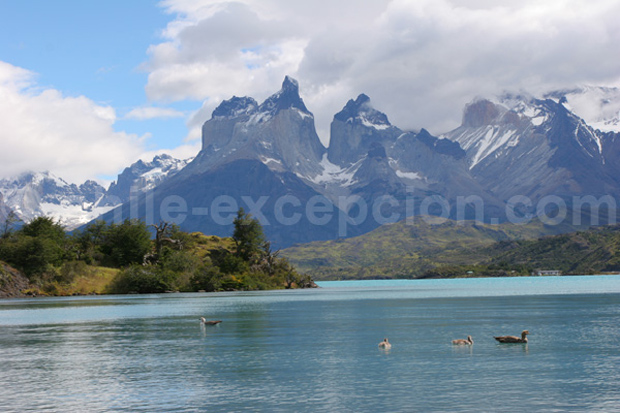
(316, 350)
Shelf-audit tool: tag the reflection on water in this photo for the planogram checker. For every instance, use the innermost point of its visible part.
(316, 350)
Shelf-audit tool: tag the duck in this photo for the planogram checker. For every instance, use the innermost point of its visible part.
(513, 339)
(209, 322)
(463, 341)
(385, 344)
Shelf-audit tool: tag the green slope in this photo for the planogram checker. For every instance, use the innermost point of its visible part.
(586, 252)
(409, 249)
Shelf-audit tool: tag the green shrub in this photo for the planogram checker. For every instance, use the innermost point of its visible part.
(138, 279)
(206, 278)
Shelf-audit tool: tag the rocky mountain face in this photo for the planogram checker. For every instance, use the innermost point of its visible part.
(31, 195)
(43, 194)
(261, 157)
(385, 160)
(522, 146)
(280, 133)
(141, 177)
(268, 159)
(599, 106)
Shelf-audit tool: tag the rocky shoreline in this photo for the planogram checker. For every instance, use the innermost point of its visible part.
(12, 282)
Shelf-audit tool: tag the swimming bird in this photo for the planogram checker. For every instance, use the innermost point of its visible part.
(513, 339)
(209, 322)
(385, 344)
(463, 341)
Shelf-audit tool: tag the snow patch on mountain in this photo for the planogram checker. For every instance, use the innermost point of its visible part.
(494, 139)
(335, 175)
(369, 123)
(408, 175)
(267, 161)
(304, 115)
(36, 194)
(72, 216)
(31, 195)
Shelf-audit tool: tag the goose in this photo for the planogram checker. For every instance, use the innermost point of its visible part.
(463, 341)
(209, 322)
(514, 339)
(385, 344)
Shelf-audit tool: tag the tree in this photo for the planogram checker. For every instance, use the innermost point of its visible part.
(127, 243)
(36, 246)
(9, 224)
(45, 227)
(166, 236)
(87, 243)
(248, 236)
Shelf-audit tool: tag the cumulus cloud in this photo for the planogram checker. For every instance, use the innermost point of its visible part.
(72, 137)
(420, 61)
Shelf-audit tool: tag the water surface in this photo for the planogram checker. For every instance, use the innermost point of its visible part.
(316, 350)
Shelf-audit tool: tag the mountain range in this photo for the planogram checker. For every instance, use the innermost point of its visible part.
(35, 194)
(513, 157)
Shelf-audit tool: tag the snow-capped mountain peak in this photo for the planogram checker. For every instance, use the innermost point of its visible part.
(143, 176)
(286, 98)
(360, 111)
(235, 107)
(34, 194)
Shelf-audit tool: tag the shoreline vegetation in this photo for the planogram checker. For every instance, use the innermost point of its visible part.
(41, 259)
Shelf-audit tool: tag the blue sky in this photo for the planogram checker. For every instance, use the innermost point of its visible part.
(94, 49)
(87, 88)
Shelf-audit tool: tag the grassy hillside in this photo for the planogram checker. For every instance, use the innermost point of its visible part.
(586, 252)
(410, 249)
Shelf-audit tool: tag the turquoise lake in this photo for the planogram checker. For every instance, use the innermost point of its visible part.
(316, 350)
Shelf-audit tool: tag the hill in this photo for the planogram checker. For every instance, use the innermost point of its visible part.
(593, 251)
(408, 249)
(120, 259)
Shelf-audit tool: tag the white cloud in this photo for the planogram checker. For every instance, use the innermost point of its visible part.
(72, 137)
(420, 61)
(151, 112)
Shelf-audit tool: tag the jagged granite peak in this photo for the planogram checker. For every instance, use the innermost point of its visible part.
(511, 145)
(280, 133)
(355, 128)
(532, 147)
(360, 110)
(287, 98)
(235, 107)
